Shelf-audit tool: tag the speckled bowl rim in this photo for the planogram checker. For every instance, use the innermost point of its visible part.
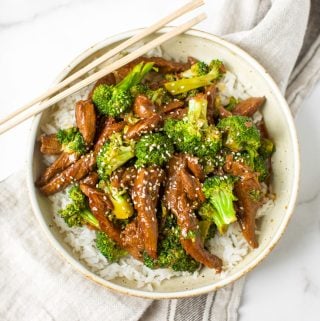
(204, 289)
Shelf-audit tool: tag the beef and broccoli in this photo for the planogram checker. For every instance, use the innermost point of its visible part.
(157, 166)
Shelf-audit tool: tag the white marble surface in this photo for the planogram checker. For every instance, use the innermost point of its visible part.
(38, 38)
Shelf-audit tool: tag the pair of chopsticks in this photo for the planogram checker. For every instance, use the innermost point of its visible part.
(48, 98)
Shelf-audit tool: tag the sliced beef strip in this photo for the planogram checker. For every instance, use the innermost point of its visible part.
(249, 106)
(132, 239)
(177, 201)
(165, 66)
(144, 126)
(192, 60)
(169, 66)
(143, 107)
(145, 195)
(82, 166)
(177, 114)
(61, 163)
(263, 129)
(173, 105)
(124, 177)
(110, 128)
(212, 112)
(247, 190)
(86, 120)
(49, 145)
(73, 173)
(194, 246)
(195, 167)
(222, 112)
(91, 179)
(100, 205)
(192, 187)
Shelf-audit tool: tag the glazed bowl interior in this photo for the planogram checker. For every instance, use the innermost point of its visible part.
(285, 162)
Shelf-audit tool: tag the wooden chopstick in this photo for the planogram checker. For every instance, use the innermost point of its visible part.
(94, 77)
(156, 26)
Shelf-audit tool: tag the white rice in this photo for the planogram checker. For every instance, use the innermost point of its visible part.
(231, 247)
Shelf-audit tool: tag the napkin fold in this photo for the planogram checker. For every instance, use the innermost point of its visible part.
(37, 284)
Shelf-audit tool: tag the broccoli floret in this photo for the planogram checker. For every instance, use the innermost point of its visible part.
(149, 262)
(159, 96)
(174, 256)
(171, 77)
(211, 142)
(188, 94)
(232, 103)
(76, 195)
(186, 137)
(171, 253)
(115, 100)
(256, 162)
(267, 148)
(193, 135)
(130, 118)
(122, 207)
(153, 149)
(217, 64)
(200, 68)
(240, 134)
(108, 247)
(71, 140)
(113, 154)
(77, 212)
(139, 89)
(219, 205)
(186, 84)
(261, 167)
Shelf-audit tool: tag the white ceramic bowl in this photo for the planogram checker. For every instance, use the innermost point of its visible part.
(285, 162)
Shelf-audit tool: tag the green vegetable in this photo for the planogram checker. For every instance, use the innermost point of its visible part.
(122, 207)
(207, 230)
(171, 77)
(171, 253)
(261, 167)
(188, 94)
(158, 96)
(115, 100)
(232, 103)
(139, 89)
(149, 262)
(153, 149)
(186, 84)
(113, 154)
(217, 64)
(219, 205)
(77, 212)
(240, 134)
(267, 148)
(193, 135)
(200, 68)
(108, 247)
(71, 140)
(255, 195)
